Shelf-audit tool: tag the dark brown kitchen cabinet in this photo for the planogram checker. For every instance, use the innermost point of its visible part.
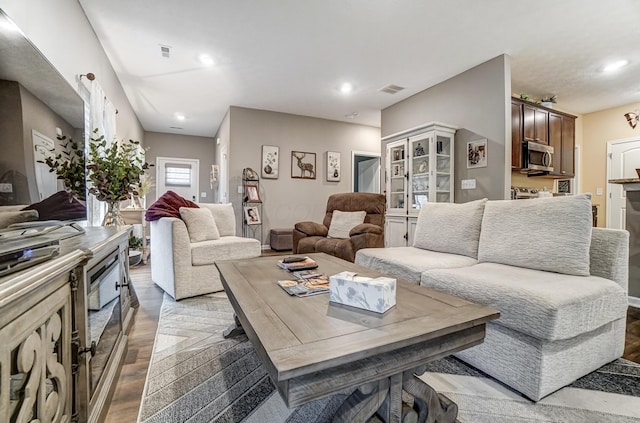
(535, 124)
(516, 135)
(562, 139)
(532, 122)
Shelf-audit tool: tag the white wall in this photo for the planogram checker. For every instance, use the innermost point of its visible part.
(287, 200)
(61, 31)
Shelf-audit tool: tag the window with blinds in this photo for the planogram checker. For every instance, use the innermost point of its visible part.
(177, 175)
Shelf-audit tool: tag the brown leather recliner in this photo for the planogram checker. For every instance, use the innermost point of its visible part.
(311, 237)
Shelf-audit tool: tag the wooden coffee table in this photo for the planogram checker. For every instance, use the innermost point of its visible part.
(313, 348)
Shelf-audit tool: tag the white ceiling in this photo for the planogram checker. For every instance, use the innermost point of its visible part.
(292, 55)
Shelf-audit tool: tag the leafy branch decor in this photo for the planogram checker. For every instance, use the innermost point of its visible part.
(114, 172)
(69, 166)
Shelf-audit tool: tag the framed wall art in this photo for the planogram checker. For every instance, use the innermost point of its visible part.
(252, 215)
(251, 194)
(477, 154)
(303, 165)
(333, 166)
(270, 158)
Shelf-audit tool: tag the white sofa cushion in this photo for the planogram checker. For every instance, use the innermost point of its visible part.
(544, 305)
(342, 222)
(408, 262)
(200, 224)
(552, 234)
(224, 217)
(450, 228)
(225, 248)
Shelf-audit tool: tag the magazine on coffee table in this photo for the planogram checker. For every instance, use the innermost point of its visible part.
(304, 287)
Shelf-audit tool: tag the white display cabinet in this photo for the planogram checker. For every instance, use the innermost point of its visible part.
(419, 169)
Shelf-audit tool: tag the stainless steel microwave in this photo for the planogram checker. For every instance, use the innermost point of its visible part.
(538, 157)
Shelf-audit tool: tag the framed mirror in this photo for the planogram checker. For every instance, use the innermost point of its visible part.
(37, 106)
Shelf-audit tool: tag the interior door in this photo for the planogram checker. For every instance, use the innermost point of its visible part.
(369, 175)
(177, 175)
(623, 160)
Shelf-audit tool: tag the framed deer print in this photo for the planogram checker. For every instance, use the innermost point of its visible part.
(333, 166)
(303, 165)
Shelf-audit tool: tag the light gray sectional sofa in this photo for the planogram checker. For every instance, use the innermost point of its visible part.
(559, 284)
(185, 250)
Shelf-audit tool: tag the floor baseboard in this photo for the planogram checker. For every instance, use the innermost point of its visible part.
(634, 302)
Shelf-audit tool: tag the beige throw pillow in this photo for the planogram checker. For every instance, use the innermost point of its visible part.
(200, 224)
(343, 222)
(450, 227)
(11, 217)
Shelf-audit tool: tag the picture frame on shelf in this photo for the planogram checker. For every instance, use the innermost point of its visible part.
(252, 194)
(270, 161)
(252, 215)
(477, 154)
(303, 165)
(333, 166)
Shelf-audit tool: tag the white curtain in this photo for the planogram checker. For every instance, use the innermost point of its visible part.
(103, 117)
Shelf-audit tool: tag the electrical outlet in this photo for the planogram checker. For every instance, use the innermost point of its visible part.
(6, 188)
(468, 184)
(203, 195)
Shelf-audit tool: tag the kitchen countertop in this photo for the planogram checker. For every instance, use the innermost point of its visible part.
(625, 181)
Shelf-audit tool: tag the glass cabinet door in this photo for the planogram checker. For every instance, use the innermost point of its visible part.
(397, 181)
(420, 150)
(444, 177)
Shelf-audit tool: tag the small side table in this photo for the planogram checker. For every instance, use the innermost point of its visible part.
(133, 216)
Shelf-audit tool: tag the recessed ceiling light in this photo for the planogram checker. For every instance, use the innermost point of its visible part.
(615, 65)
(206, 60)
(180, 116)
(346, 88)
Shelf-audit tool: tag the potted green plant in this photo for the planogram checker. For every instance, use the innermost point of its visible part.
(69, 165)
(114, 172)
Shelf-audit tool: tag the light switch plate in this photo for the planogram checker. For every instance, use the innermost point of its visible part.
(598, 191)
(468, 184)
(240, 189)
(203, 195)
(6, 188)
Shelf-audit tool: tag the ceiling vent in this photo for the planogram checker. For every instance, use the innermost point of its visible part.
(391, 89)
(165, 51)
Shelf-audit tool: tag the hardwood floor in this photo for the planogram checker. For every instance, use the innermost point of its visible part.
(126, 398)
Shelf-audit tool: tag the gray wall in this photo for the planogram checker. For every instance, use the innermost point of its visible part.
(287, 200)
(183, 147)
(476, 101)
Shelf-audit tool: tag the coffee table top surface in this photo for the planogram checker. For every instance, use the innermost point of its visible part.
(298, 336)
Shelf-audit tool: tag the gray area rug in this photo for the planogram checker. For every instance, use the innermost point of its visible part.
(195, 375)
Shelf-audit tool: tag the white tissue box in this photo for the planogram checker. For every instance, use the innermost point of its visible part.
(373, 294)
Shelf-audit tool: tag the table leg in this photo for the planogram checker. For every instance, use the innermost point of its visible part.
(234, 328)
(383, 399)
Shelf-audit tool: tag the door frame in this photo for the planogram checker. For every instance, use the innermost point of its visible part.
(609, 176)
(370, 154)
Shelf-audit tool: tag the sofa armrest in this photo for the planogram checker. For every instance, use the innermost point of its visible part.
(171, 252)
(312, 228)
(366, 228)
(609, 255)
(366, 235)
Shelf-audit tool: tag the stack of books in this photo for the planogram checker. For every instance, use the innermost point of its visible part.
(297, 263)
